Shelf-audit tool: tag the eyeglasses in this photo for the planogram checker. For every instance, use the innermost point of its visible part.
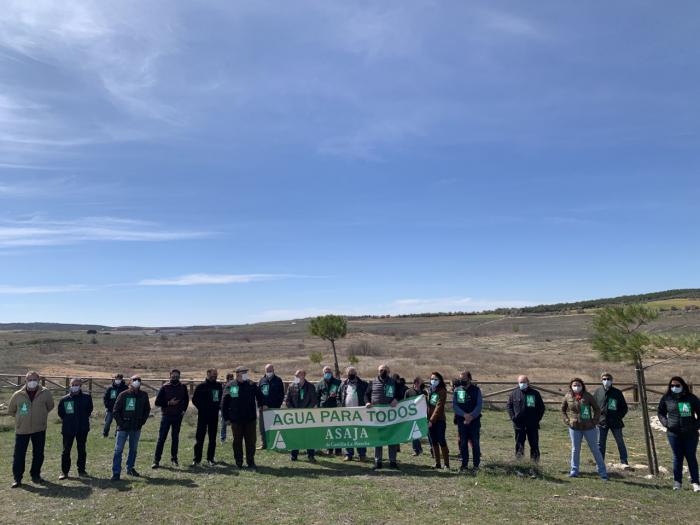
(676, 385)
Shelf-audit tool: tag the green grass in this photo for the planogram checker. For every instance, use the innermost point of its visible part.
(336, 492)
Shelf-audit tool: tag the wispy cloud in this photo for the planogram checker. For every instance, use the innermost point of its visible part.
(25, 290)
(43, 232)
(195, 279)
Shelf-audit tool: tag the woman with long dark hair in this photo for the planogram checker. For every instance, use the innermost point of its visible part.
(437, 423)
(679, 412)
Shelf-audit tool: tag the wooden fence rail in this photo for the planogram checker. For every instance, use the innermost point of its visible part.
(494, 392)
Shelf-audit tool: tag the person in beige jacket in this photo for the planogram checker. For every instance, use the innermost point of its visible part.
(30, 406)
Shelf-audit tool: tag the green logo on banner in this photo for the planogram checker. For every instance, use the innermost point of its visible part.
(585, 412)
(130, 404)
(234, 390)
(69, 406)
(279, 441)
(24, 409)
(113, 394)
(434, 397)
(612, 404)
(265, 389)
(389, 390)
(215, 396)
(461, 396)
(684, 408)
(530, 400)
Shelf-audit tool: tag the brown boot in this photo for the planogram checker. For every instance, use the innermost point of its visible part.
(436, 455)
(446, 456)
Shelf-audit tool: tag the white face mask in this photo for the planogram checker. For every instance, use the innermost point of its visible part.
(269, 375)
(296, 381)
(244, 377)
(117, 382)
(607, 383)
(136, 384)
(31, 385)
(576, 389)
(676, 389)
(75, 389)
(523, 386)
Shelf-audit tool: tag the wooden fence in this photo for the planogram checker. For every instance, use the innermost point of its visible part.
(495, 392)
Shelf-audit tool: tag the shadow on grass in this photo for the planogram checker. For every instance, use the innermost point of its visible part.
(53, 490)
(521, 470)
(169, 482)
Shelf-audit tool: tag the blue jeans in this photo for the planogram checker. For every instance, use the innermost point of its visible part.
(617, 434)
(224, 424)
(684, 446)
(467, 433)
(362, 452)
(591, 436)
(108, 422)
(133, 437)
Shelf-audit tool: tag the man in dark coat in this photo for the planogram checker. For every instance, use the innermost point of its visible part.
(382, 391)
(328, 393)
(272, 391)
(301, 394)
(352, 394)
(613, 409)
(74, 411)
(110, 397)
(526, 410)
(207, 399)
(173, 400)
(239, 407)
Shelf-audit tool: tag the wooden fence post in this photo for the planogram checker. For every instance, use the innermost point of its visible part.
(67, 385)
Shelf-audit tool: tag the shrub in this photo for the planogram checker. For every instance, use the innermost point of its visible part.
(316, 357)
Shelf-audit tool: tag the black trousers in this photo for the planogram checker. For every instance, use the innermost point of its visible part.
(207, 425)
(532, 434)
(166, 423)
(80, 440)
(241, 432)
(38, 440)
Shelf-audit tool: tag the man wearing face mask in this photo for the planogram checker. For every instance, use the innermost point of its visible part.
(118, 386)
(613, 409)
(272, 390)
(173, 400)
(467, 403)
(239, 407)
(30, 406)
(74, 410)
(207, 399)
(382, 391)
(526, 410)
(328, 394)
(131, 411)
(417, 389)
(301, 394)
(352, 394)
(222, 420)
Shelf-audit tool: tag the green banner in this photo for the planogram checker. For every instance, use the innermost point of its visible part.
(350, 427)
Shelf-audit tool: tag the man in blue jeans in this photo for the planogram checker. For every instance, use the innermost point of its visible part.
(173, 400)
(131, 411)
(110, 397)
(613, 409)
(466, 403)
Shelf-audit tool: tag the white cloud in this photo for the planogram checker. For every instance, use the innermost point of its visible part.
(43, 232)
(25, 290)
(195, 279)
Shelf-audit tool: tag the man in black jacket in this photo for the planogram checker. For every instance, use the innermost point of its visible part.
(417, 389)
(111, 393)
(613, 409)
(382, 391)
(328, 394)
(352, 394)
(173, 400)
(526, 410)
(272, 391)
(239, 407)
(301, 394)
(207, 399)
(74, 411)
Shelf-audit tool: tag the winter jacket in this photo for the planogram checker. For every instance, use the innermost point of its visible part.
(360, 390)
(413, 392)
(582, 414)
(436, 404)
(207, 398)
(328, 393)
(680, 413)
(466, 400)
(272, 390)
(301, 396)
(30, 415)
(131, 410)
(613, 407)
(381, 391)
(111, 395)
(75, 411)
(525, 408)
(239, 402)
(170, 391)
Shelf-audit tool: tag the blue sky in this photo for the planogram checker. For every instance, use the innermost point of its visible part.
(168, 163)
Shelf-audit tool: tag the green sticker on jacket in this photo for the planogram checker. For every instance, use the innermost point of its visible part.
(24, 409)
(529, 401)
(69, 406)
(684, 409)
(215, 396)
(130, 404)
(461, 396)
(301, 393)
(234, 390)
(585, 412)
(434, 397)
(612, 404)
(389, 390)
(265, 389)
(334, 388)
(113, 394)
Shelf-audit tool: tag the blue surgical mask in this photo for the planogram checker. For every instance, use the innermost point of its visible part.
(607, 383)
(75, 389)
(523, 386)
(676, 389)
(327, 376)
(434, 383)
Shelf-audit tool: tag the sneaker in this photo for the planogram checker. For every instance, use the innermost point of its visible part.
(573, 474)
(261, 447)
(347, 458)
(416, 454)
(677, 485)
(16, 484)
(62, 477)
(696, 487)
(83, 474)
(211, 463)
(377, 465)
(393, 465)
(155, 465)
(195, 464)
(132, 472)
(174, 462)
(115, 477)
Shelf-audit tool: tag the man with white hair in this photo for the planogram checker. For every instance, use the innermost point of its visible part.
(352, 394)
(272, 390)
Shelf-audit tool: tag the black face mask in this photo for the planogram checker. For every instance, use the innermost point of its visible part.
(384, 374)
(174, 380)
(352, 377)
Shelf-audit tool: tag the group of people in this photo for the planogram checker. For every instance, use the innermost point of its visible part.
(239, 403)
